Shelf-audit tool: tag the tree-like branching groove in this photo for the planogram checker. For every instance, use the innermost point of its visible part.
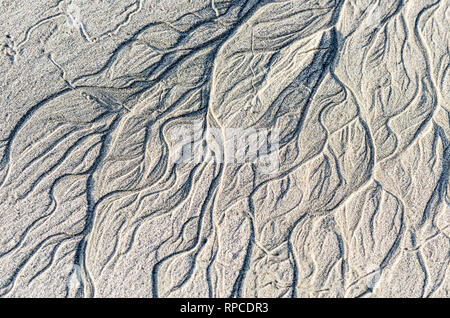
(225, 149)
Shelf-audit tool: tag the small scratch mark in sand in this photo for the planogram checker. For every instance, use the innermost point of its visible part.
(213, 5)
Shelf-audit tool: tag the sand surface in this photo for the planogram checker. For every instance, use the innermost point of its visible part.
(217, 148)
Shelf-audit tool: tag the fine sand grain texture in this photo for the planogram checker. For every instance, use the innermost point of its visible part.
(224, 148)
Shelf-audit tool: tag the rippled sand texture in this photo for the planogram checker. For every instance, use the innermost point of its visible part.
(92, 203)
